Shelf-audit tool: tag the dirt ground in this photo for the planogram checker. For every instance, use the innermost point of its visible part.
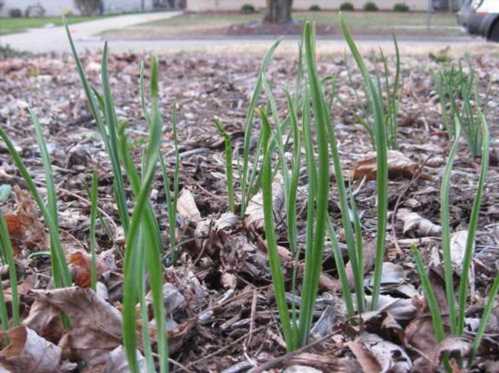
(227, 319)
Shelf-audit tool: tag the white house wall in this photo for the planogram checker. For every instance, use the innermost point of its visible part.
(52, 7)
(60, 7)
(126, 6)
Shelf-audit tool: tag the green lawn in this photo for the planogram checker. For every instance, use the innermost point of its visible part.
(368, 22)
(13, 25)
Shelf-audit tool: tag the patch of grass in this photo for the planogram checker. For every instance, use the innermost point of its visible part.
(14, 25)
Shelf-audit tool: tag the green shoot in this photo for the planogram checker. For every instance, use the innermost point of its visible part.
(8, 254)
(472, 227)
(102, 109)
(172, 196)
(144, 235)
(313, 254)
(244, 171)
(92, 240)
(431, 299)
(445, 222)
(484, 320)
(275, 263)
(376, 105)
(228, 165)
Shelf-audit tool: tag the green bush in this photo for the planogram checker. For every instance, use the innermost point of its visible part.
(347, 7)
(370, 7)
(315, 8)
(15, 13)
(248, 9)
(401, 7)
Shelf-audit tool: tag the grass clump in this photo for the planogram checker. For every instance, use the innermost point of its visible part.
(458, 300)
(458, 94)
(143, 253)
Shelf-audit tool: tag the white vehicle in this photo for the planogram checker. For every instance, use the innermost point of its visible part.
(480, 17)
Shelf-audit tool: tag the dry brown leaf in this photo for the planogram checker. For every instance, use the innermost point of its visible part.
(399, 166)
(25, 228)
(419, 336)
(95, 324)
(28, 352)
(368, 259)
(415, 223)
(117, 361)
(254, 211)
(187, 208)
(80, 263)
(364, 357)
(44, 319)
(378, 355)
(457, 249)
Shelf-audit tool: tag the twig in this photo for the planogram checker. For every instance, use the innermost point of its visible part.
(275, 362)
(220, 350)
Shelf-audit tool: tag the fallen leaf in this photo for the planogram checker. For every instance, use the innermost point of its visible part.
(302, 368)
(187, 208)
(5, 190)
(415, 223)
(454, 347)
(80, 264)
(28, 352)
(368, 261)
(24, 226)
(95, 324)
(399, 166)
(457, 249)
(44, 319)
(364, 357)
(117, 361)
(254, 212)
(378, 355)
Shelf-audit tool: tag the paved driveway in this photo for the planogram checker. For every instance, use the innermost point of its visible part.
(53, 39)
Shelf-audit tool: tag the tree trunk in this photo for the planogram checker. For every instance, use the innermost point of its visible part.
(278, 11)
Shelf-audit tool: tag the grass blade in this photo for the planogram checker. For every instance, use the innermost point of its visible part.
(93, 220)
(484, 320)
(431, 299)
(313, 259)
(472, 227)
(445, 222)
(60, 270)
(274, 260)
(228, 165)
(248, 126)
(376, 105)
(8, 254)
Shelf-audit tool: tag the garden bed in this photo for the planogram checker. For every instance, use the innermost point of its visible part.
(222, 313)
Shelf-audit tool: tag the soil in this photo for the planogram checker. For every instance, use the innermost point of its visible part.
(228, 320)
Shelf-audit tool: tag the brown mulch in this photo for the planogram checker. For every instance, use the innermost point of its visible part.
(226, 317)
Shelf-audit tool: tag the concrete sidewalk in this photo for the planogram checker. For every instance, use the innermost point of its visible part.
(53, 39)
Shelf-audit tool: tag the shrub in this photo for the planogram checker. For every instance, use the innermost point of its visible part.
(34, 11)
(315, 8)
(347, 7)
(248, 9)
(401, 7)
(88, 7)
(370, 7)
(15, 13)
